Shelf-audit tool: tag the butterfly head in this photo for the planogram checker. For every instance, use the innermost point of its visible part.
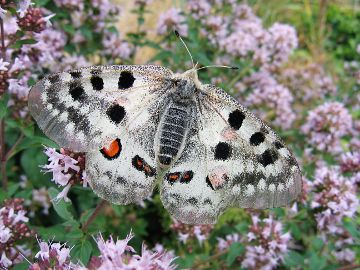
(187, 84)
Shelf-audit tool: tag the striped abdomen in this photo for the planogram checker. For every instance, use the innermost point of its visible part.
(172, 132)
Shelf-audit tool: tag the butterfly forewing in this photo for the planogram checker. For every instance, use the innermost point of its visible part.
(83, 109)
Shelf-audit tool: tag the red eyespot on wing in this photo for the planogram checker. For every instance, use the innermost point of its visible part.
(173, 177)
(113, 150)
(186, 177)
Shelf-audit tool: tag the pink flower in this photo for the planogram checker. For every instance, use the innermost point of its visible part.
(268, 93)
(4, 261)
(23, 6)
(334, 197)
(59, 166)
(116, 47)
(172, 20)
(2, 13)
(326, 125)
(199, 8)
(3, 65)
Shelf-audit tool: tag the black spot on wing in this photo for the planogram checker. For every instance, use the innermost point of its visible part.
(76, 91)
(126, 80)
(257, 138)
(52, 96)
(97, 83)
(116, 113)
(222, 151)
(76, 74)
(73, 115)
(278, 145)
(268, 157)
(95, 71)
(236, 119)
(54, 78)
(192, 200)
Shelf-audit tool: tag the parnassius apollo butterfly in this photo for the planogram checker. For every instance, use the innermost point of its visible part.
(142, 125)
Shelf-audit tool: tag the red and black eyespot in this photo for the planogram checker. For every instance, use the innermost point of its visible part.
(173, 177)
(149, 171)
(141, 165)
(138, 163)
(113, 151)
(186, 177)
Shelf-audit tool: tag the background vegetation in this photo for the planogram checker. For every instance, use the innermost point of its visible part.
(299, 70)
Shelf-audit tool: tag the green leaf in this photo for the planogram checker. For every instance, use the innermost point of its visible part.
(317, 243)
(236, 249)
(34, 141)
(68, 28)
(294, 259)
(61, 207)
(317, 262)
(30, 160)
(82, 251)
(56, 232)
(351, 227)
(3, 106)
(18, 44)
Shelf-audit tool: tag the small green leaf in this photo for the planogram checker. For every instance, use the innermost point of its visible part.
(18, 44)
(56, 232)
(293, 259)
(60, 207)
(236, 249)
(82, 251)
(3, 106)
(317, 262)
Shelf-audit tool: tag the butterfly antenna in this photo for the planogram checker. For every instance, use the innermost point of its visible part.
(183, 42)
(217, 66)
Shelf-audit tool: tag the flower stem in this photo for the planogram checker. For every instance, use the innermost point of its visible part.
(2, 122)
(93, 216)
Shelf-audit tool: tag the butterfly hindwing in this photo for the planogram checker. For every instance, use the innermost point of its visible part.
(235, 160)
(82, 109)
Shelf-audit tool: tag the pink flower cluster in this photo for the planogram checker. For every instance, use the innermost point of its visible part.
(326, 125)
(268, 93)
(67, 169)
(242, 34)
(171, 20)
(334, 198)
(13, 228)
(308, 82)
(114, 254)
(52, 256)
(265, 244)
(186, 232)
(350, 163)
(32, 21)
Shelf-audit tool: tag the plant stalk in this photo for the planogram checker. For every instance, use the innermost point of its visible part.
(2, 122)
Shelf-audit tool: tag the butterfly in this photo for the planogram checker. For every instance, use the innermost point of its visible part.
(143, 125)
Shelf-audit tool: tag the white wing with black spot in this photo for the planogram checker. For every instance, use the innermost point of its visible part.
(231, 159)
(111, 113)
(85, 109)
